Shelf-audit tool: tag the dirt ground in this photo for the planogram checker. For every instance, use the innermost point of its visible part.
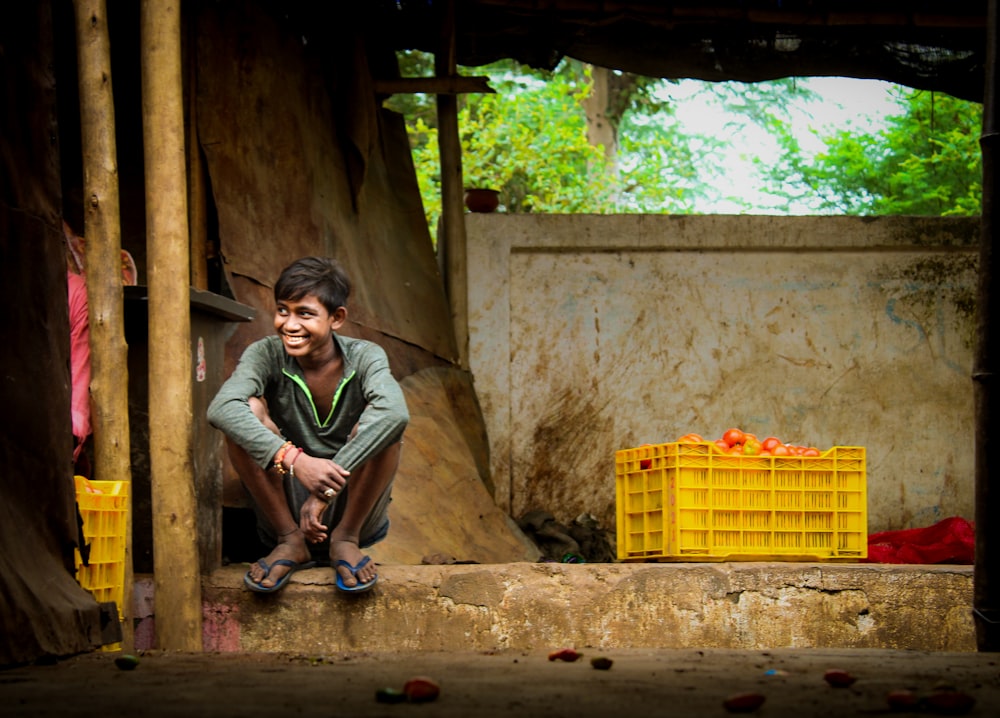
(640, 682)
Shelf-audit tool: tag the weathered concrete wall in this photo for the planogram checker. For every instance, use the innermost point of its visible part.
(545, 606)
(592, 334)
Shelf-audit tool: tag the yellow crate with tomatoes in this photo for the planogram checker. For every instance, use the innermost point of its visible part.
(735, 500)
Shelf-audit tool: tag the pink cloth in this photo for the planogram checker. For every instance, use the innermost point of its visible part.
(79, 356)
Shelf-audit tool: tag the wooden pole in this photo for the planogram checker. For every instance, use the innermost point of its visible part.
(196, 178)
(452, 214)
(175, 531)
(102, 258)
(986, 575)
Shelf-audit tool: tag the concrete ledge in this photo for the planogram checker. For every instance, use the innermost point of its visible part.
(540, 605)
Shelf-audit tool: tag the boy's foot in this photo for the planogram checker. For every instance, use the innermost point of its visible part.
(355, 571)
(285, 559)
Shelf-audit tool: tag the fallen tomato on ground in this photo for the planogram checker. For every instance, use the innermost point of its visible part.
(421, 689)
(948, 703)
(564, 654)
(744, 702)
(839, 678)
(902, 700)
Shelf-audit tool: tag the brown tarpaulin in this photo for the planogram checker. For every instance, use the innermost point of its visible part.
(42, 608)
(290, 179)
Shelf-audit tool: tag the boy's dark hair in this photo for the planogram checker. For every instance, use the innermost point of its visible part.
(320, 276)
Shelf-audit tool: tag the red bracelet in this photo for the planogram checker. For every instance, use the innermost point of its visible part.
(291, 464)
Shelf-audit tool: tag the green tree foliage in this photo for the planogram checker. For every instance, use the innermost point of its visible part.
(926, 161)
(529, 141)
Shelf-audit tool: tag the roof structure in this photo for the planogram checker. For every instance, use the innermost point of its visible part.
(927, 44)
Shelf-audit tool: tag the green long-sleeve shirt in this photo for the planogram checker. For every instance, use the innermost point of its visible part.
(368, 396)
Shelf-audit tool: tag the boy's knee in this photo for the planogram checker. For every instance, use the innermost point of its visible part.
(259, 408)
(385, 463)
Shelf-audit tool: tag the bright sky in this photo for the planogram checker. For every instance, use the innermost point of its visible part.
(847, 102)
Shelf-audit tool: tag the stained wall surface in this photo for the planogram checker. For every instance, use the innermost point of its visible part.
(593, 334)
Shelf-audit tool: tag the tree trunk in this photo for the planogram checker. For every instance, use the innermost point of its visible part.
(605, 107)
(602, 130)
(102, 230)
(175, 531)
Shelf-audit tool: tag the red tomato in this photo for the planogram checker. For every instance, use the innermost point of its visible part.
(811, 451)
(744, 702)
(839, 678)
(732, 437)
(564, 654)
(690, 439)
(769, 443)
(780, 450)
(721, 446)
(645, 463)
(421, 689)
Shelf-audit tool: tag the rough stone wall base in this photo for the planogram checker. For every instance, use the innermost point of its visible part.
(543, 606)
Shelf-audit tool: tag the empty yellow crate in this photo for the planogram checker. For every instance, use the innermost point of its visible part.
(104, 508)
(689, 502)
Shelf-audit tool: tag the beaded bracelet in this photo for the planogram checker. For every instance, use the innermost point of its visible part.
(280, 456)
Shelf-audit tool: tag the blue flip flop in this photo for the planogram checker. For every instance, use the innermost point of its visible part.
(359, 587)
(293, 566)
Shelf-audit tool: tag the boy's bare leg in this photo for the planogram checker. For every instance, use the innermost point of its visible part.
(268, 493)
(367, 484)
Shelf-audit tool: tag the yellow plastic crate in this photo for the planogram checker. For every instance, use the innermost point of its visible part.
(104, 506)
(688, 502)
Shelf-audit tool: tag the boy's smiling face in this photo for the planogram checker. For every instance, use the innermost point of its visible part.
(305, 326)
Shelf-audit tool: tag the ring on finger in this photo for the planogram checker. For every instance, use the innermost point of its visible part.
(330, 493)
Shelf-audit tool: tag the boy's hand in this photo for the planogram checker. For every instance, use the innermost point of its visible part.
(309, 520)
(320, 475)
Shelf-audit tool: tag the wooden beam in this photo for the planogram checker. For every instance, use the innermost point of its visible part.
(103, 262)
(454, 85)
(177, 575)
(986, 365)
(818, 16)
(198, 190)
(452, 214)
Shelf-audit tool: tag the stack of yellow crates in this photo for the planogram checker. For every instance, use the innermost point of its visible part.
(104, 507)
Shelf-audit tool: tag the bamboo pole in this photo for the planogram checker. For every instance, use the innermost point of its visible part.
(175, 531)
(986, 574)
(102, 258)
(452, 215)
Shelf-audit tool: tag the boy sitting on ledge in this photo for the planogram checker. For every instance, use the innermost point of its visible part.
(314, 424)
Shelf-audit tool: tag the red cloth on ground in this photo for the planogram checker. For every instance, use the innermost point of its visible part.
(79, 357)
(951, 540)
